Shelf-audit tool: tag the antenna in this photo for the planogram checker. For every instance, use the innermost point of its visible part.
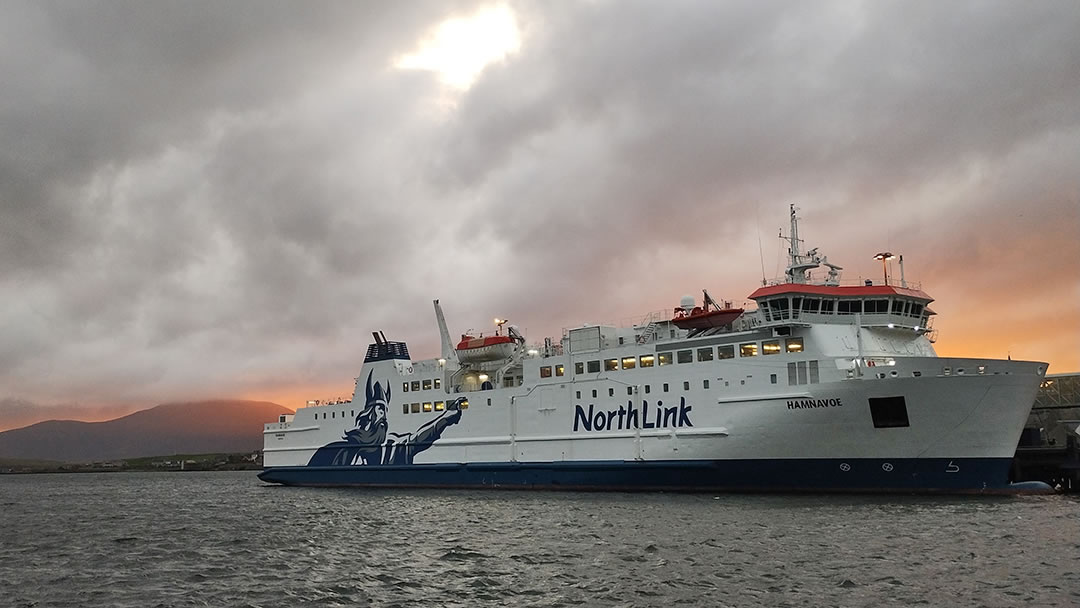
(761, 252)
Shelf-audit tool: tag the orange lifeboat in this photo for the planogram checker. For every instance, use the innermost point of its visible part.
(699, 318)
(490, 348)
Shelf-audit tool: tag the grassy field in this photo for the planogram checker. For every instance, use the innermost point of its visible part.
(175, 462)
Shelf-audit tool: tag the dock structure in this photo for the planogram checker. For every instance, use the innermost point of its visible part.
(1049, 448)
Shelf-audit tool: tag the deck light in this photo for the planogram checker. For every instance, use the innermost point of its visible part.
(885, 256)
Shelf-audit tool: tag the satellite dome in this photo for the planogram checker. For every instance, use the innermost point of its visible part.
(687, 303)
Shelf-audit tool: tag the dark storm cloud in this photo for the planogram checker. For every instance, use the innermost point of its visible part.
(202, 199)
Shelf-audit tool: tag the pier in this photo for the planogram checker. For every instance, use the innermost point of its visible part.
(1049, 448)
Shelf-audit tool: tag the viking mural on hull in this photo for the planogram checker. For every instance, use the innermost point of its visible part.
(371, 443)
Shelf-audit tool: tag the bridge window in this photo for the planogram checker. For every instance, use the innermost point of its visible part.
(705, 354)
(545, 371)
(663, 359)
(726, 351)
(811, 304)
(796, 304)
(794, 345)
(685, 356)
(748, 350)
(611, 365)
(827, 307)
(559, 370)
(770, 347)
(629, 362)
(849, 307)
(594, 366)
(916, 310)
(898, 307)
(877, 306)
(647, 360)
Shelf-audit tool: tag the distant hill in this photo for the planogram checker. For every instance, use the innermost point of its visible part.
(173, 428)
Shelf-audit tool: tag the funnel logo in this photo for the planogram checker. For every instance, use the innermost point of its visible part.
(371, 443)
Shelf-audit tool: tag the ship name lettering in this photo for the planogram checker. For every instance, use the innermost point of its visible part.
(804, 404)
(630, 417)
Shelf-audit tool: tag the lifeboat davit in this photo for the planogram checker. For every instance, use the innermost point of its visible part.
(490, 348)
(699, 318)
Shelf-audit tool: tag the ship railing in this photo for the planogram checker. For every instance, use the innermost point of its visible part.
(862, 282)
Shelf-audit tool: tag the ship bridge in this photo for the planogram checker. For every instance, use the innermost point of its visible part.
(877, 305)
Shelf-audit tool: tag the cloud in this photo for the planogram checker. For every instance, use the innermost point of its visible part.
(208, 199)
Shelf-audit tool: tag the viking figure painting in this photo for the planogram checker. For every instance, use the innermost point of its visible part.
(371, 443)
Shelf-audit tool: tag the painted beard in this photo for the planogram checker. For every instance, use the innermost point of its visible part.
(369, 435)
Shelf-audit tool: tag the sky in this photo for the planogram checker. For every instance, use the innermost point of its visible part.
(224, 199)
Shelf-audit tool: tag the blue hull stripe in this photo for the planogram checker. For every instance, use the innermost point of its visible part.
(780, 475)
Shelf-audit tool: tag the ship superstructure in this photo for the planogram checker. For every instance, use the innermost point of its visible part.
(824, 386)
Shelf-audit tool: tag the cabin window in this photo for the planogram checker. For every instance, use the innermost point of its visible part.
(663, 359)
(594, 367)
(647, 360)
(648, 389)
(620, 340)
(888, 412)
(772, 378)
(827, 307)
(594, 393)
(814, 373)
(427, 406)
(770, 347)
(439, 406)
(793, 345)
(464, 404)
(801, 368)
(427, 384)
(545, 371)
(897, 307)
(792, 380)
(705, 383)
(665, 387)
(611, 365)
(437, 383)
(415, 385)
(629, 390)
(577, 394)
(610, 392)
(333, 414)
(559, 370)
(579, 367)
(685, 356)
(404, 408)
(748, 350)
(405, 387)
(705, 354)
(324, 415)
(415, 407)
(726, 351)
(686, 385)
(629, 362)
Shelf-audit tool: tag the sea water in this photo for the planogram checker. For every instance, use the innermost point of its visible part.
(226, 539)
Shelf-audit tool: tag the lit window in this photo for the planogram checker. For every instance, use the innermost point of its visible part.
(748, 350)
(415, 407)
(629, 362)
(770, 347)
(579, 367)
(415, 385)
(794, 345)
(663, 359)
(705, 354)
(648, 360)
(545, 371)
(404, 408)
(438, 383)
(405, 387)
(427, 406)
(611, 365)
(685, 356)
(439, 406)
(464, 404)
(427, 384)
(594, 367)
(559, 370)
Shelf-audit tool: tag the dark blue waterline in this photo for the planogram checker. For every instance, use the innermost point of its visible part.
(777, 475)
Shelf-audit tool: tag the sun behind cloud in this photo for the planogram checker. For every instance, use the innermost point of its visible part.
(459, 49)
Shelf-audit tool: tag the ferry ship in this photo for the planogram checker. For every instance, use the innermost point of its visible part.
(822, 386)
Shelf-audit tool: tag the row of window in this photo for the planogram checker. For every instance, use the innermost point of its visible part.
(779, 309)
(428, 406)
(726, 351)
(426, 384)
